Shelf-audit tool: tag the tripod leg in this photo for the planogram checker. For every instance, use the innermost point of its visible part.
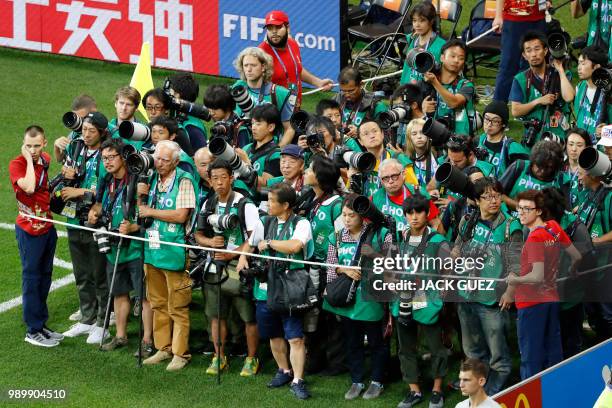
(110, 297)
(140, 325)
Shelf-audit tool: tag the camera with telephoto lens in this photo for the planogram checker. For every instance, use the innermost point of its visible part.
(455, 180)
(72, 121)
(185, 107)
(533, 126)
(134, 131)
(438, 131)
(422, 61)
(394, 115)
(465, 144)
(362, 161)
(366, 209)
(602, 78)
(557, 44)
(243, 99)
(298, 122)
(212, 224)
(315, 140)
(596, 163)
(140, 163)
(259, 271)
(101, 237)
(219, 148)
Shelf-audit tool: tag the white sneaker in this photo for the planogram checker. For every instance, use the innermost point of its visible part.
(76, 316)
(112, 321)
(95, 336)
(78, 329)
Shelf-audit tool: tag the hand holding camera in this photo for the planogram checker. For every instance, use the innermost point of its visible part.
(71, 193)
(69, 173)
(61, 143)
(547, 99)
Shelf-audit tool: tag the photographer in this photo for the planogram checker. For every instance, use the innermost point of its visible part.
(356, 104)
(171, 198)
(291, 167)
(543, 169)
(591, 104)
(110, 213)
(184, 86)
(541, 94)
(127, 100)
(319, 139)
(372, 139)
(202, 159)
(36, 239)
(89, 265)
(362, 318)
(577, 140)
(330, 108)
(224, 201)
(493, 236)
(164, 128)
(219, 101)
(255, 68)
(452, 96)
(418, 148)
(598, 31)
(502, 150)
(408, 97)
(81, 106)
(286, 235)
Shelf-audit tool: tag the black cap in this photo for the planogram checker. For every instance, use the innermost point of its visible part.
(498, 108)
(98, 120)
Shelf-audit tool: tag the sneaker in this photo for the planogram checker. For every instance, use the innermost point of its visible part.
(115, 343)
(78, 329)
(436, 400)
(250, 367)
(281, 378)
(177, 363)
(455, 385)
(299, 389)
(97, 335)
(147, 350)
(157, 358)
(373, 391)
(50, 334)
(411, 400)
(39, 339)
(354, 392)
(215, 365)
(76, 316)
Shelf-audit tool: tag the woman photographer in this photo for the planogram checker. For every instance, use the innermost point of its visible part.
(577, 140)
(419, 150)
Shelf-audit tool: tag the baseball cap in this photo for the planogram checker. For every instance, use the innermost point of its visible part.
(276, 18)
(606, 137)
(98, 120)
(293, 150)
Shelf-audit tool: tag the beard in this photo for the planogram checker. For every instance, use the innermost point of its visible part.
(281, 44)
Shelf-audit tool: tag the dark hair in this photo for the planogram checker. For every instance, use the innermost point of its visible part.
(426, 10)
(219, 163)
(268, 113)
(164, 121)
(83, 101)
(35, 130)
(485, 183)
(285, 193)
(580, 132)
(555, 204)
(469, 170)
(409, 93)
(326, 173)
(545, 152)
(158, 94)
(416, 202)
(595, 54)
(367, 120)
(117, 144)
(219, 97)
(325, 104)
(349, 200)
(455, 42)
(186, 85)
(533, 35)
(322, 121)
(349, 74)
(537, 197)
(461, 143)
(477, 367)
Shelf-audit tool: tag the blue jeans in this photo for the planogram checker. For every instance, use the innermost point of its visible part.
(539, 337)
(483, 331)
(511, 59)
(36, 252)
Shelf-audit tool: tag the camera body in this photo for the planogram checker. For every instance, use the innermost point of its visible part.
(394, 115)
(259, 271)
(533, 127)
(101, 237)
(315, 140)
(185, 107)
(212, 224)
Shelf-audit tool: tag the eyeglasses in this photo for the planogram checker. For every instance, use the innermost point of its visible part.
(110, 157)
(492, 121)
(525, 209)
(491, 197)
(154, 108)
(390, 178)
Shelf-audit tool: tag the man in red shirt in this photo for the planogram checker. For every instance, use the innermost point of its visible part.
(36, 239)
(285, 51)
(536, 296)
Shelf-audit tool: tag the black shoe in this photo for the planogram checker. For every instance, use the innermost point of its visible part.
(411, 400)
(281, 378)
(299, 390)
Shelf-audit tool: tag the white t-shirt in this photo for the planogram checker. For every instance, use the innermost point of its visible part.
(302, 232)
(488, 403)
(251, 215)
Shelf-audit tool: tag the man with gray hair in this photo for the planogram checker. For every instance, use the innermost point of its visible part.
(255, 68)
(166, 213)
(391, 196)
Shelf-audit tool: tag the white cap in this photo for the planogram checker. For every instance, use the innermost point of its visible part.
(606, 136)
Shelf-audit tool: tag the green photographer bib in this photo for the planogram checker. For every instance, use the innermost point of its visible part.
(262, 156)
(526, 181)
(322, 220)
(500, 160)
(381, 200)
(195, 122)
(589, 115)
(462, 115)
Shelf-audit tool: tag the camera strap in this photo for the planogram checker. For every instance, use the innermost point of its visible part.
(270, 228)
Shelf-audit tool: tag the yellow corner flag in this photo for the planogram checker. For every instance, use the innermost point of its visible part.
(142, 79)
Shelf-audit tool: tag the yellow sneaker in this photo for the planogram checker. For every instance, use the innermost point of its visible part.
(213, 367)
(250, 367)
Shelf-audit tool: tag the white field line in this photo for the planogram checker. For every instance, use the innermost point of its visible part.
(56, 284)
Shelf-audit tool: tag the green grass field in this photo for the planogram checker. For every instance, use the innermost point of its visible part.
(38, 88)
